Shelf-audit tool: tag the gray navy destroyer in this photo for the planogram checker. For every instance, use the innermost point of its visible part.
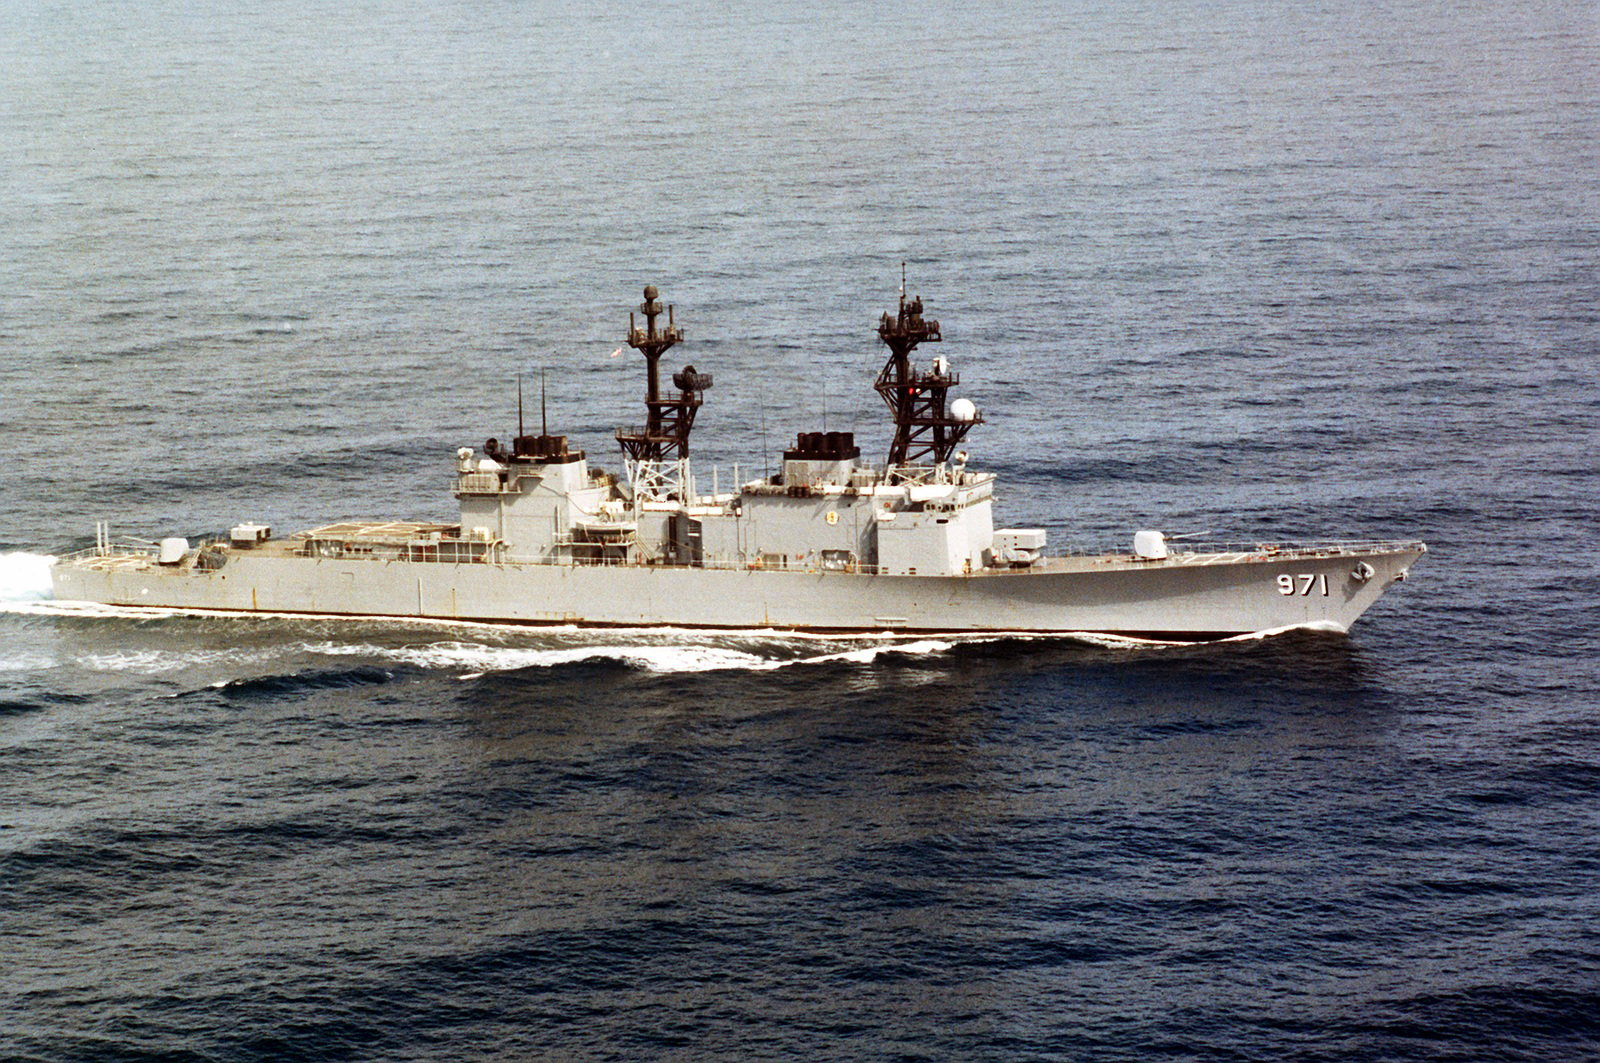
(831, 543)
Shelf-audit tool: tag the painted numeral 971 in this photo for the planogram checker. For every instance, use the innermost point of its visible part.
(1303, 584)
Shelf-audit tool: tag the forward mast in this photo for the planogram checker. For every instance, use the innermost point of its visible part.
(657, 453)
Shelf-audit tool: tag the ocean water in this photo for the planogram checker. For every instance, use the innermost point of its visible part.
(1242, 269)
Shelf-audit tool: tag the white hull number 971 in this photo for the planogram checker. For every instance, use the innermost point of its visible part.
(1303, 584)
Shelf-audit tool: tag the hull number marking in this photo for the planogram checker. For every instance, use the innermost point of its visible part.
(1303, 584)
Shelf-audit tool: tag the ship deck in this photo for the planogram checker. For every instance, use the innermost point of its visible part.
(1201, 554)
(380, 531)
(401, 534)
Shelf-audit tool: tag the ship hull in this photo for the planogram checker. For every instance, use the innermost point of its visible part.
(1186, 597)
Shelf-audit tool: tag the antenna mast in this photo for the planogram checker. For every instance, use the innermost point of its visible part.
(657, 452)
(543, 447)
(924, 430)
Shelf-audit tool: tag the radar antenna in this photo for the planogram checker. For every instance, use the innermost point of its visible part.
(657, 452)
(925, 431)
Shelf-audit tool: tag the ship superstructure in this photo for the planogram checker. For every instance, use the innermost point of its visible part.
(831, 542)
(918, 514)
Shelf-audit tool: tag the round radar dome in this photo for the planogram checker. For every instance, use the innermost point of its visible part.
(963, 410)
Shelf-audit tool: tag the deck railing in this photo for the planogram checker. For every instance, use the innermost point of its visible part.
(125, 549)
(1296, 548)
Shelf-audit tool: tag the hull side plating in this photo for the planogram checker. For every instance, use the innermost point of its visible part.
(1176, 598)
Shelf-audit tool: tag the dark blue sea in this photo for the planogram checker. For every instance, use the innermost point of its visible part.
(1243, 269)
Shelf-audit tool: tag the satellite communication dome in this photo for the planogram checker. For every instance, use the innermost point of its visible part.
(963, 410)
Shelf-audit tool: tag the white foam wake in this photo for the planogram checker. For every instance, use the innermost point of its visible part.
(1327, 627)
(25, 577)
(472, 660)
(477, 659)
(871, 653)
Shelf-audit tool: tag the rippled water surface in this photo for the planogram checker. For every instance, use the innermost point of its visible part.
(1253, 272)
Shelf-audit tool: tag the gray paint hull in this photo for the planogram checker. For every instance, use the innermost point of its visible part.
(1186, 597)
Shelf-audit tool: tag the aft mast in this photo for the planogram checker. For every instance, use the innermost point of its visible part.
(657, 453)
(926, 432)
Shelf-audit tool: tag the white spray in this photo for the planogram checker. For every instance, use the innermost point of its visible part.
(25, 577)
